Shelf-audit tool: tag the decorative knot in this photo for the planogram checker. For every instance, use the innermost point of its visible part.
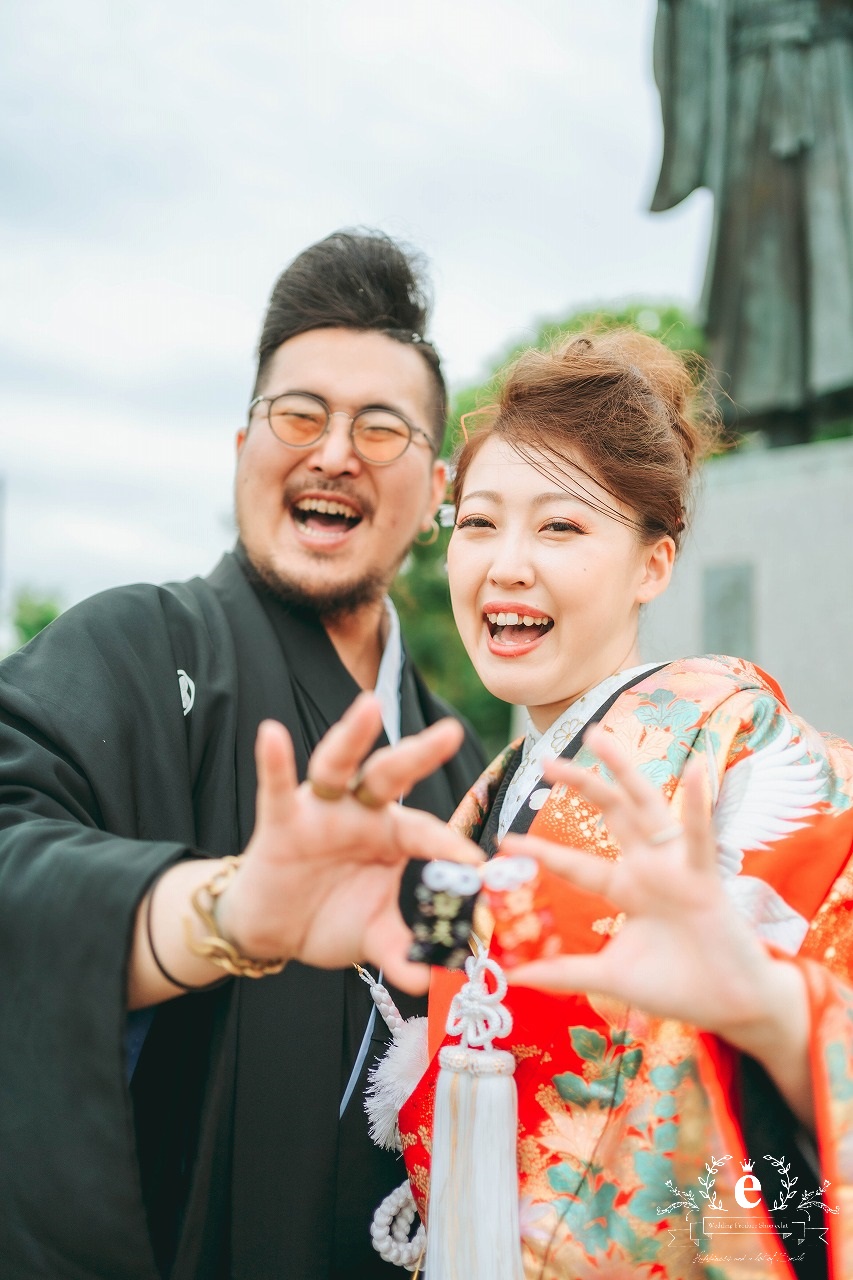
(476, 1013)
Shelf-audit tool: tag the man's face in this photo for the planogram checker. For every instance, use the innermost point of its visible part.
(340, 559)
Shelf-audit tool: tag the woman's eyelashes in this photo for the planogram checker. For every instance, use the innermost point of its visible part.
(560, 525)
(557, 524)
(474, 522)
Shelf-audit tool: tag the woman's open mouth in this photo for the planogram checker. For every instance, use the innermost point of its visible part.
(328, 518)
(515, 631)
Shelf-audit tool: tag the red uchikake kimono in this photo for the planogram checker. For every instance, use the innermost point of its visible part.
(630, 1139)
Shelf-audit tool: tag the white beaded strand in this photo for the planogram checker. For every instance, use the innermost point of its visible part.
(392, 1222)
(381, 997)
(389, 1231)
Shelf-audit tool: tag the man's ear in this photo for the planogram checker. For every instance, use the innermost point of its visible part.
(438, 490)
(658, 562)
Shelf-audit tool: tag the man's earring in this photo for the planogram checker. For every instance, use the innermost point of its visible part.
(432, 535)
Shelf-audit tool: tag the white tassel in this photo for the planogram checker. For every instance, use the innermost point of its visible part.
(472, 1218)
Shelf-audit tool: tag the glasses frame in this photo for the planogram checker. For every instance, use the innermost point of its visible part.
(333, 413)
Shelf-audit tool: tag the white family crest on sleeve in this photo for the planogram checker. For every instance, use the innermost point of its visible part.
(764, 798)
(187, 688)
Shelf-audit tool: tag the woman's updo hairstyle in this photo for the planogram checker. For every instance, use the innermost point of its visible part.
(617, 406)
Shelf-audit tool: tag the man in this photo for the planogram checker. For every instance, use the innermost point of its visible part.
(127, 736)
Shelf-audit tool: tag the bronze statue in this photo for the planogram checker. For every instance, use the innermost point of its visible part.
(757, 101)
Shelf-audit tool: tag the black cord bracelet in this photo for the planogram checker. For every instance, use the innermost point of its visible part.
(176, 982)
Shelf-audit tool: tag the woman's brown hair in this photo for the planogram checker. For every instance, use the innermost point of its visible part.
(618, 407)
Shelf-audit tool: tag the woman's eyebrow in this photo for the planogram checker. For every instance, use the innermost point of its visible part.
(490, 495)
(493, 495)
(556, 495)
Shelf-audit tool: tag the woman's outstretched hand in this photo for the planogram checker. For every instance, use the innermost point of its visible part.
(319, 879)
(682, 951)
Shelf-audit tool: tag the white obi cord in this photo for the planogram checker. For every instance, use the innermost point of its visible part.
(387, 690)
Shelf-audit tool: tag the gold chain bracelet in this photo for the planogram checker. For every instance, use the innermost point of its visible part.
(213, 946)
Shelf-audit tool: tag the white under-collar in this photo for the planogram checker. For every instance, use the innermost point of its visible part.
(387, 687)
(539, 747)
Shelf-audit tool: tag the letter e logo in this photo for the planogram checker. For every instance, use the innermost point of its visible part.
(748, 1182)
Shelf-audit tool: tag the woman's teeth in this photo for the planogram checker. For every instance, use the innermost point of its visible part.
(511, 628)
(517, 619)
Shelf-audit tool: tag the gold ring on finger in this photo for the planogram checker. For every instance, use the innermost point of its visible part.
(667, 834)
(362, 793)
(325, 790)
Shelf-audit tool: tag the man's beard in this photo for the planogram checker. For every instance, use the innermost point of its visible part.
(329, 604)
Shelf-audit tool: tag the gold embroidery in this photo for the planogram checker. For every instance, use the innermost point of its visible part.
(609, 925)
(522, 1051)
(549, 1099)
(419, 1179)
(533, 1163)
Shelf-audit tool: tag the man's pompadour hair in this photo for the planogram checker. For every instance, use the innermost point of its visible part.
(356, 279)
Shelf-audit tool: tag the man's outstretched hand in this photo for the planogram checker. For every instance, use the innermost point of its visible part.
(320, 877)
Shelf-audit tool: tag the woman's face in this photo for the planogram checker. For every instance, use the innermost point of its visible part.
(546, 590)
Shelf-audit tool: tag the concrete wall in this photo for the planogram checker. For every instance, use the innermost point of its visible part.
(767, 573)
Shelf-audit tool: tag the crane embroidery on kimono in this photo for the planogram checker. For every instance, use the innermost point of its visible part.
(764, 798)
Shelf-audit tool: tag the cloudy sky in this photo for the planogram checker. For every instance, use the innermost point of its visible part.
(160, 163)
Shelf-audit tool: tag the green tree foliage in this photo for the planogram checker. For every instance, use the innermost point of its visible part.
(32, 613)
(663, 320)
(834, 429)
(423, 601)
(421, 592)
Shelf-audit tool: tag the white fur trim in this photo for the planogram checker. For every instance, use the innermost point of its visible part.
(393, 1080)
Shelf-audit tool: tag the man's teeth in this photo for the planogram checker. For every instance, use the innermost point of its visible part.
(326, 508)
(517, 619)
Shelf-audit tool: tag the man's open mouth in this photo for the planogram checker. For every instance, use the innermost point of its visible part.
(325, 517)
(513, 628)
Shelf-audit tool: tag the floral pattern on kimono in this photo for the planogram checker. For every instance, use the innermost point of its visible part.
(625, 1120)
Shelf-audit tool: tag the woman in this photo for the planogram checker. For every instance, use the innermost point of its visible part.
(701, 1051)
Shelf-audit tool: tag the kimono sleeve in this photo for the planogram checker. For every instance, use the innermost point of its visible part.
(93, 774)
(782, 797)
(784, 818)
